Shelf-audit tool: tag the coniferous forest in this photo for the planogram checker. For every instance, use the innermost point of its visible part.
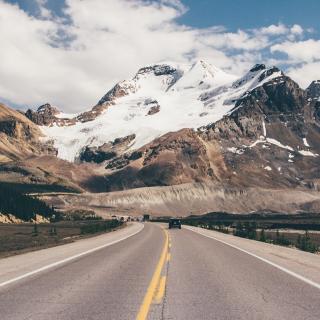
(22, 206)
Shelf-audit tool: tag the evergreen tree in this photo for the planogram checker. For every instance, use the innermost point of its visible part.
(277, 237)
(262, 236)
(252, 231)
(305, 243)
(22, 206)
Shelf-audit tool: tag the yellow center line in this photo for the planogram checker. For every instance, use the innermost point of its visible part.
(161, 290)
(145, 306)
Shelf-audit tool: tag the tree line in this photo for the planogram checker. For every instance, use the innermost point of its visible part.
(22, 206)
(251, 230)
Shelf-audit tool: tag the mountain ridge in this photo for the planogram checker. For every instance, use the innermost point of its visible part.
(192, 124)
(142, 105)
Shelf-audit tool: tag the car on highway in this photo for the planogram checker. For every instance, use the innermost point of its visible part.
(174, 223)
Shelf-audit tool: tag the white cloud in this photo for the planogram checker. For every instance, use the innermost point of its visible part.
(72, 62)
(44, 12)
(305, 73)
(274, 29)
(301, 51)
(296, 29)
(239, 40)
(282, 30)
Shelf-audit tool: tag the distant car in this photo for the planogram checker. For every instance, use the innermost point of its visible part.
(146, 217)
(174, 223)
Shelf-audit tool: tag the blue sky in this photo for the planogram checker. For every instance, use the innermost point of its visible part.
(70, 52)
(233, 14)
(244, 14)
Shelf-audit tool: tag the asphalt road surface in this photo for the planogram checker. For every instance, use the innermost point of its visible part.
(154, 273)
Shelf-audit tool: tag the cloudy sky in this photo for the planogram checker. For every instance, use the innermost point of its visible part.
(70, 52)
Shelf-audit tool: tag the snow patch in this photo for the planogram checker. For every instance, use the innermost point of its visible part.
(264, 128)
(307, 153)
(305, 142)
(279, 144)
(236, 150)
(268, 168)
(256, 142)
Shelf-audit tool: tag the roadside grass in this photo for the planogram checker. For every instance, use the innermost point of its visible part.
(20, 238)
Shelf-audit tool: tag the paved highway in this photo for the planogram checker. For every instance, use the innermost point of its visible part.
(154, 273)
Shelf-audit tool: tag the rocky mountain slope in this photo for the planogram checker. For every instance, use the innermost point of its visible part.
(260, 130)
(19, 137)
(194, 125)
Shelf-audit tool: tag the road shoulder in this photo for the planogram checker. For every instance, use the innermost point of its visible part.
(18, 267)
(305, 264)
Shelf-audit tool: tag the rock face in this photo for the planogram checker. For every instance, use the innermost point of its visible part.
(46, 115)
(153, 106)
(313, 91)
(47, 173)
(107, 151)
(19, 136)
(271, 139)
(174, 158)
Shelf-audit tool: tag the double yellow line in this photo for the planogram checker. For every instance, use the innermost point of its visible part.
(157, 285)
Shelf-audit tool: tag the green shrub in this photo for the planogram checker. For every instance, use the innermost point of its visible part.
(100, 226)
(304, 243)
(262, 236)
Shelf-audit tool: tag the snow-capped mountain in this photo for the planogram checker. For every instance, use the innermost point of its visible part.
(157, 100)
(175, 124)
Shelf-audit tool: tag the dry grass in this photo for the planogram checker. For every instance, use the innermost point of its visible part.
(20, 238)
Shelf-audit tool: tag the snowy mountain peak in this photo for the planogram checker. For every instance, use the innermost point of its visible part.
(157, 77)
(202, 76)
(207, 68)
(119, 90)
(47, 108)
(157, 70)
(256, 75)
(258, 67)
(162, 77)
(158, 99)
(227, 95)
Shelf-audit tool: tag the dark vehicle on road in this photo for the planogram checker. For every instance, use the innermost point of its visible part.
(174, 223)
(146, 217)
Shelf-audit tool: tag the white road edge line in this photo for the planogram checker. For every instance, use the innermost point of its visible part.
(291, 273)
(49, 266)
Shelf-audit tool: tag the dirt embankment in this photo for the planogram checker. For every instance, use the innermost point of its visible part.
(186, 199)
(9, 219)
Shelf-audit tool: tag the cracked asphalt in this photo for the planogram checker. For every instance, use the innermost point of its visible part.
(205, 279)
